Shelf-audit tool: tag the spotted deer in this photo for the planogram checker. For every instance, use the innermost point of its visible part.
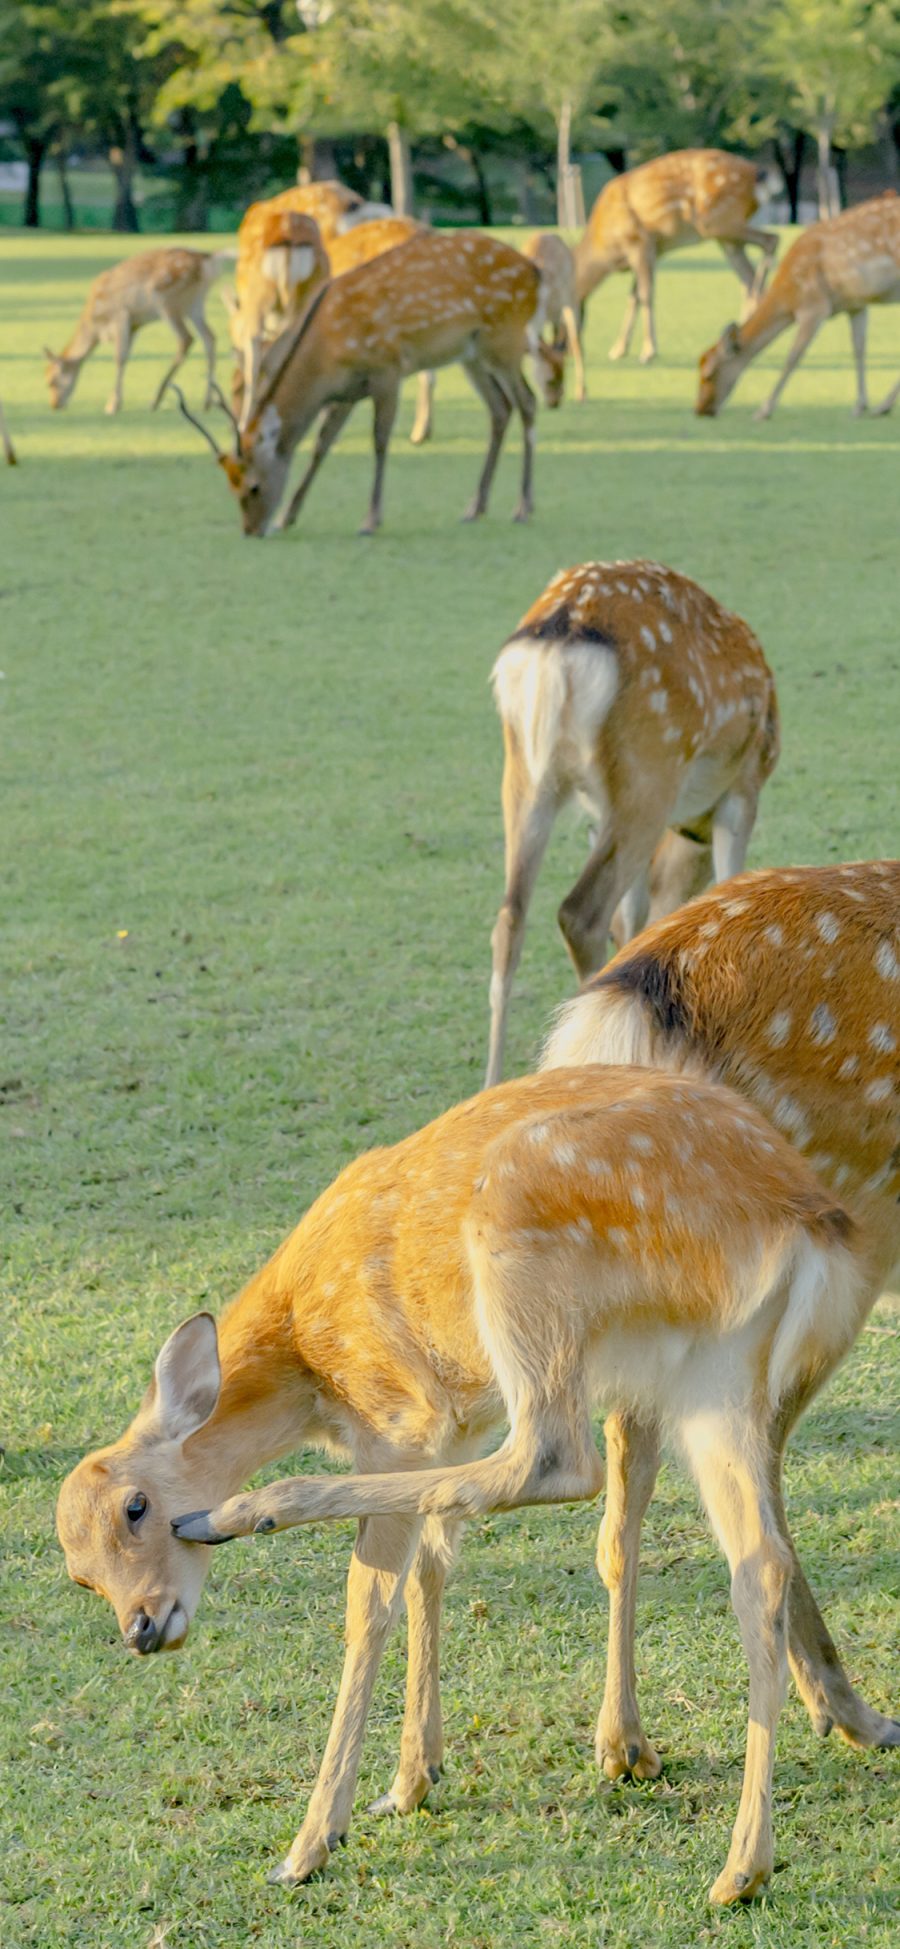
(561, 310)
(9, 452)
(844, 264)
(688, 197)
(168, 285)
(366, 237)
(784, 985)
(631, 690)
(329, 204)
(605, 1235)
(434, 300)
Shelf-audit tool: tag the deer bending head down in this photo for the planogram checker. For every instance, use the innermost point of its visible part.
(785, 985)
(168, 285)
(604, 1234)
(842, 265)
(433, 301)
(629, 689)
(687, 197)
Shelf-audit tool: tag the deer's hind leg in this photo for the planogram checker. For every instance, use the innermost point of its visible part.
(529, 809)
(381, 1557)
(732, 1469)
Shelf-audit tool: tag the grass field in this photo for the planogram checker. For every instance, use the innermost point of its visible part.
(251, 857)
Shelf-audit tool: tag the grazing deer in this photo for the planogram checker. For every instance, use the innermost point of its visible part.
(561, 309)
(630, 689)
(684, 198)
(608, 1234)
(169, 284)
(9, 452)
(844, 264)
(281, 263)
(432, 301)
(785, 985)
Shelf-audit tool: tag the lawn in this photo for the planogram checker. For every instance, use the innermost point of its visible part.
(251, 858)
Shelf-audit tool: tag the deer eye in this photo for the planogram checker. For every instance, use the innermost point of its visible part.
(136, 1508)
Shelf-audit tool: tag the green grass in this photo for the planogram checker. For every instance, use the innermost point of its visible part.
(252, 854)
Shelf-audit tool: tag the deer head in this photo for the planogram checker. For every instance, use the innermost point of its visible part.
(719, 369)
(256, 472)
(61, 374)
(550, 369)
(115, 1510)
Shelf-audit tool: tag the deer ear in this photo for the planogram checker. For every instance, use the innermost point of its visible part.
(186, 1381)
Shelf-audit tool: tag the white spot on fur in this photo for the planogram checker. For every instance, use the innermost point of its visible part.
(779, 1028)
(886, 962)
(877, 1091)
(881, 1038)
(822, 1023)
(827, 926)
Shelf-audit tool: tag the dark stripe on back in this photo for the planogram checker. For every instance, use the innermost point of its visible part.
(655, 984)
(556, 626)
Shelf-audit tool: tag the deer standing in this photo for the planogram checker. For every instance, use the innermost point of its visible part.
(279, 267)
(9, 451)
(561, 309)
(688, 197)
(432, 301)
(608, 1234)
(785, 985)
(169, 285)
(329, 205)
(842, 265)
(630, 689)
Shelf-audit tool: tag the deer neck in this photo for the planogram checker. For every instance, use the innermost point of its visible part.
(266, 1401)
(772, 316)
(81, 343)
(593, 262)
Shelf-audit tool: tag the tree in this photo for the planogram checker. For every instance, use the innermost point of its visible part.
(549, 67)
(838, 60)
(34, 35)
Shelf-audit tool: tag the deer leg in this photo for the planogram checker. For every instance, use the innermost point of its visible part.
(8, 448)
(573, 337)
(632, 1462)
(185, 341)
(805, 334)
(619, 349)
(631, 913)
(385, 413)
(680, 869)
(887, 404)
(121, 347)
(585, 916)
(528, 815)
(830, 1699)
(645, 272)
(734, 1484)
(378, 1566)
(198, 320)
(500, 408)
(859, 321)
(732, 825)
(422, 1738)
(332, 421)
(423, 426)
(744, 272)
(525, 401)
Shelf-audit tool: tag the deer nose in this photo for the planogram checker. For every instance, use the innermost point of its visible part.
(142, 1634)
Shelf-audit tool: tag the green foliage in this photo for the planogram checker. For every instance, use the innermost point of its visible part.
(273, 769)
(838, 60)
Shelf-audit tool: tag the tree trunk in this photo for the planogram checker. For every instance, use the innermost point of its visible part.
(826, 174)
(401, 170)
(790, 162)
(123, 163)
(565, 212)
(485, 213)
(64, 189)
(35, 150)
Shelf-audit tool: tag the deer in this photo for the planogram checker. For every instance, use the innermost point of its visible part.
(687, 197)
(784, 985)
(434, 300)
(843, 264)
(9, 452)
(279, 267)
(604, 1234)
(169, 284)
(329, 204)
(631, 690)
(561, 310)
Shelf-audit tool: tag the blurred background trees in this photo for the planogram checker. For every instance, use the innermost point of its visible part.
(175, 113)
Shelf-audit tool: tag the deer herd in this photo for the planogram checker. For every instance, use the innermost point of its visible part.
(684, 1217)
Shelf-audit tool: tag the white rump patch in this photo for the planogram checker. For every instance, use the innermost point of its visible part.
(550, 695)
